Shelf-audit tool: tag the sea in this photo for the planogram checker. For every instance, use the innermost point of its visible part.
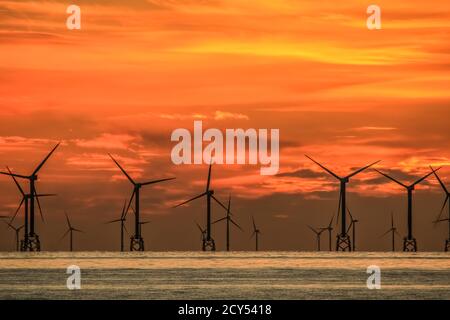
(225, 275)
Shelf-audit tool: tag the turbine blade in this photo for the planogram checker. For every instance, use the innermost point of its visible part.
(45, 195)
(313, 230)
(126, 230)
(15, 181)
(392, 220)
(122, 169)
(397, 233)
(209, 178)
(45, 159)
(220, 203)
(362, 169)
(440, 181)
(198, 226)
(254, 224)
(64, 235)
(156, 181)
(339, 207)
(14, 175)
(17, 211)
(331, 222)
(236, 225)
(350, 226)
(324, 168)
(77, 230)
(122, 216)
(387, 232)
(221, 219)
(443, 206)
(113, 221)
(39, 206)
(129, 203)
(389, 177)
(68, 221)
(187, 201)
(253, 234)
(425, 176)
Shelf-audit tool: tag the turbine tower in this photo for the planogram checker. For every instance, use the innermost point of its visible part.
(447, 198)
(229, 220)
(256, 233)
(31, 241)
(343, 242)
(409, 242)
(318, 234)
(352, 225)
(393, 231)
(70, 230)
(122, 225)
(17, 231)
(137, 242)
(208, 244)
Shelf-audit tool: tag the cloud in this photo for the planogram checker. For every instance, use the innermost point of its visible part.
(178, 116)
(109, 141)
(374, 129)
(221, 115)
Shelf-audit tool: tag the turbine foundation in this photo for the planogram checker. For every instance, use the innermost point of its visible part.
(209, 245)
(31, 243)
(447, 245)
(343, 243)
(137, 244)
(409, 245)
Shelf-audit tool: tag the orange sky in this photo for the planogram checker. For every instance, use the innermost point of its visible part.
(139, 69)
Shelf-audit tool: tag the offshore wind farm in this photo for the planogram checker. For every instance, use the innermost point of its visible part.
(224, 149)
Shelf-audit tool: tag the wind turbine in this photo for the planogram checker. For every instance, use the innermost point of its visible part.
(329, 228)
(343, 240)
(256, 233)
(16, 230)
(25, 200)
(229, 220)
(70, 230)
(352, 225)
(137, 242)
(318, 234)
(447, 198)
(393, 231)
(122, 225)
(208, 243)
(203, 232)
(32, 242)
(409, 242)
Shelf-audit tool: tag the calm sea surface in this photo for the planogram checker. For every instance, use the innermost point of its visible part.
(234, 275)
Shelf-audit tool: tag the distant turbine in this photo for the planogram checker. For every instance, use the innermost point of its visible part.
(352, 225)
(329, 228)
(409, 242)
(228, 219)
(122, 225)
(70, 230)
(318, 234)
(256, 233)
(16, 230)
(137, 242)
(208, 244)
(31, 241)
(393, 231)
(343, 240)
(447, 198)
(203, 232)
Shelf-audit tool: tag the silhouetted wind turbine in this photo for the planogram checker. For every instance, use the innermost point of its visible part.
(318, 234)
(25, 200)
(16, 230)
(70, 230)
(32, 242)
(409, 242)
(208, 244)
(137, 242)
(352, 225)
(229, 220)
(122, 225)
(203, 231)
(447, 198)
(343, 240)
(256, 233)
(393, 231)
(329, 228)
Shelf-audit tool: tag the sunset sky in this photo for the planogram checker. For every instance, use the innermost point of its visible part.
(137, 70)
